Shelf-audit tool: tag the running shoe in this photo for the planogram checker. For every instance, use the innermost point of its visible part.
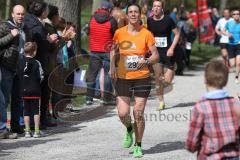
(89, 102)
(137, 152)
(36, 134)
(161, 106)
(6, 134)
(27, 134)
(128, 139)
(237, 81)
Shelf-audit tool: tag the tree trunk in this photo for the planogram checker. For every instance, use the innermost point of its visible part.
(223, 5)
(7, 11)
(86, 3)
(52, 2)
(70, 10)
(95, 5)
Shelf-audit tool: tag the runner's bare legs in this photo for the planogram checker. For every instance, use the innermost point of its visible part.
(161, 78)
(138, 112)
(123, 106)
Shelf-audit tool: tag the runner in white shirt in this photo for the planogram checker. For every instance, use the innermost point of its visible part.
(224, 39)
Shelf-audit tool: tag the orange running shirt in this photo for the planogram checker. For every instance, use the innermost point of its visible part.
(132, 48)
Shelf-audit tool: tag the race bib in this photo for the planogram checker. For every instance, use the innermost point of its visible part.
(131, 62)
(161, 42)
(188, 45)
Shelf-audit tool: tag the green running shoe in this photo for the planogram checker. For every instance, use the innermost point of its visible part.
(161, 106)
(137, 152)
(237, 81)
(128, 139)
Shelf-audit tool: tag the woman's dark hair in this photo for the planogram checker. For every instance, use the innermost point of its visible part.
(62, 24)
(37, 8)
(116, 3)
(132, 1)
(71, 24)
(53, 11)
(134, 4)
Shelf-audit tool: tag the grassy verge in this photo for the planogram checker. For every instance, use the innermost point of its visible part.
(85, 17)
(202, 53)
(79, 100)
(85, 43)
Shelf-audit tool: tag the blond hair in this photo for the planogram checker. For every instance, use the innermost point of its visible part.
(30, 48)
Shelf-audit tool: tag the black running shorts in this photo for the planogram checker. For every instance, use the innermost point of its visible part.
(233, 51)
(31, 107)
(166, 60)
(136, 87)
(223, 45)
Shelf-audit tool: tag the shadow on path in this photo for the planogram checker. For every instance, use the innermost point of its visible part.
(17, 144)
(188, 104)
(88, 115)
(68, 124)
(181, 105)
(165, 147)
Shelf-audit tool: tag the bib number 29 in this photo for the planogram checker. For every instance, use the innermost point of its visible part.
(131, 62)
(132, 65)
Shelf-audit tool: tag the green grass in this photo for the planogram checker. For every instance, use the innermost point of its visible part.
(85, 17)
(202, 53)
(78, 101)
(85, 43)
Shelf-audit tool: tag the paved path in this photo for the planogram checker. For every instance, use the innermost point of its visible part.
(98, 133)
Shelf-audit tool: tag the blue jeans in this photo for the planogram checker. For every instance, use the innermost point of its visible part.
(3, 111)
(16, 104)
(97, 87)
(96, 62)
(6, 87)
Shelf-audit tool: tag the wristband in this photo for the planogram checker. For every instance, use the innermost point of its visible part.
(147, 61)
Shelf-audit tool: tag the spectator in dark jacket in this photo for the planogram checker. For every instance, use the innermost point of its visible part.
(62, 79)
(12, 38)
(34, 22)
(37, 33)
(2, 106)
(50, 26)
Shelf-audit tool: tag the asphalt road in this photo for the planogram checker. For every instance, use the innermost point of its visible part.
(97, 133)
